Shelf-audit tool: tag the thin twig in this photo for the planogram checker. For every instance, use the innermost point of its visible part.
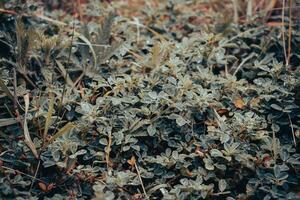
(28, 79)
(9, 112)
(15, 89)
(17, 171)
(35, 174)
(68, 63)
(221, 193)
(78, 80)
(96, 45)
(8, 11)
(140, 178)
(242, 63)
(292, 128)
(137, 30)
(226, 69)
(17, 113)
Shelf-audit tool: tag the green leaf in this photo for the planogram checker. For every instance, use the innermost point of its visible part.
(103, 141)
(179, 119)
(151, 130)
(222, 185)
(224, 138)
(216, 153)
(7, 122)
(208, 164)
(276, 107)
(152, 95)
(61, 132)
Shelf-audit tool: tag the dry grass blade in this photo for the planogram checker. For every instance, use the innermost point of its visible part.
(269, 7)
(8, 121)
(49, 115)
(106, 29)
(20, 37)
(156, 55)
(235, 11)
(48, 19)
(61, 132)
(160, 36)
(64, 73)
(249, 10)
(28, 139)
(283, 33)
(85, 40)
(6, 90)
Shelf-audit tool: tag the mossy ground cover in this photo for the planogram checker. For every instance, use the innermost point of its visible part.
(149, 100)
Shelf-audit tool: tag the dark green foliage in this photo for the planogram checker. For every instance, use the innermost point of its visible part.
(198, 114)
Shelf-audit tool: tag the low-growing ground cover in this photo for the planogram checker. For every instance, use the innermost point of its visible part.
(167, 100)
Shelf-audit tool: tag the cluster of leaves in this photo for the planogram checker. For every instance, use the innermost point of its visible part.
(153, 108)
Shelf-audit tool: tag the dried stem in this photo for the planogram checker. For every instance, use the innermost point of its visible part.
(235, 11)
(107, 150)
(35, 174)
(290, 33)
(17, 113)
(242, 63)
(293, 132)
(140, 178)
(283, 32)
(249, 10)
(66, 75)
